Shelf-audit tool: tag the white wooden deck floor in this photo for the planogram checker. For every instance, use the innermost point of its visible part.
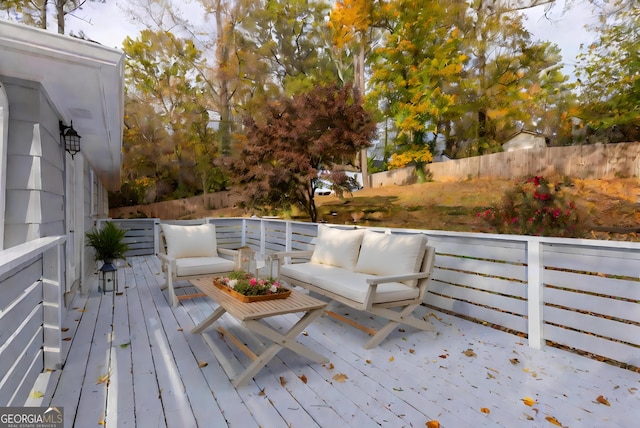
(132, 361)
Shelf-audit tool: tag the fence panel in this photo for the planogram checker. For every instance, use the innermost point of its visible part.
(31, 287)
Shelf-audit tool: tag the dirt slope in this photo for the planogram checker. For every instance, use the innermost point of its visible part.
(611, 208)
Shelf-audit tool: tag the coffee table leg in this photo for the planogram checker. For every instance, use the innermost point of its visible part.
(280, 341)
(209, 320)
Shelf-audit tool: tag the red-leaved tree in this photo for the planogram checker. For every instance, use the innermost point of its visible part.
(292, 138)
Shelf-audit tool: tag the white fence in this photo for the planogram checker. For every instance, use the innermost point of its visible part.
(31, 302)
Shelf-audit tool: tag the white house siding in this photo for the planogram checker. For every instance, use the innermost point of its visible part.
(35, 169)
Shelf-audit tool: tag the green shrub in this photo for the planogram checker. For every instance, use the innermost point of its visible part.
(534, 207)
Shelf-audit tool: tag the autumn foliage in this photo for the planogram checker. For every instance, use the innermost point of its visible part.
(291, 139)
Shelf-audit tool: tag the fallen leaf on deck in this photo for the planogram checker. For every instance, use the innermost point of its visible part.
(431, 314)
(283, 382)
(63, 329)
(514, 361)
(528, 401)
(412, 351)
(303, 378)
(469, 353)
(632, 390)
(485, 410)
(66, 339)
(367, 361)
(391, 358)
(330, 366)
(202, 364)
(101, 422)
(37, 394)
(262, 393)
(103, 379)
(180, 329)
(125, 345)
(340, 377)
(433, 424)
(443, 356)
(602, 400)
(490, 376)
(81, 310)
(553, 421)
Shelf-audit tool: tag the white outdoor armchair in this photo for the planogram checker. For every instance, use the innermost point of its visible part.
(189, 252)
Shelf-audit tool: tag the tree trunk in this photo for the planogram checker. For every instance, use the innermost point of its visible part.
(359, 78)
(59, 13)
(224, 98)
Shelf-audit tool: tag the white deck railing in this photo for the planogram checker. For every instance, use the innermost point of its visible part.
(580, 294)
(31, 304)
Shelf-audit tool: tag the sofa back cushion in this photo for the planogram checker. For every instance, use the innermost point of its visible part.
(190, 241)
(387, 255)
(337, 247)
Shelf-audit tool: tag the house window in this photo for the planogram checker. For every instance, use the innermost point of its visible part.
(4, 134)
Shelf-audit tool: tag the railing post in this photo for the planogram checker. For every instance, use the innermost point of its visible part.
(52, 296)
(243, 233)
(156, 235)
(288, 236)
(535, 303)
(263, 235)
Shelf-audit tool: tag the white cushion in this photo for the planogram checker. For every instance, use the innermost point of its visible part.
(190, 241)
(386, 255)
(305, 272)
(187, 266)
(337, 247)
(353, 286)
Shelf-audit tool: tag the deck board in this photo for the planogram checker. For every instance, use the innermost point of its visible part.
(157, 379)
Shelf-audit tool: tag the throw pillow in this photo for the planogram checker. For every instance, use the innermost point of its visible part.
(190, 241)
(387, 255)
(337, 247)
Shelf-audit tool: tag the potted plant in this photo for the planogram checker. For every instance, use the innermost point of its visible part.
(107, 242)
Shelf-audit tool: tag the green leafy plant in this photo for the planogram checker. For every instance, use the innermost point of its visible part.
(535, 207)
(107, 242)
(248, 285)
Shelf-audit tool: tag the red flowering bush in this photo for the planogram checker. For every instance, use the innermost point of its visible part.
(534, 207)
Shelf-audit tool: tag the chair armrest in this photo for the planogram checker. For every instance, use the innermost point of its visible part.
(397, 278)
(234, 254)
(284, 257)
(166, 259)
(296, 254)
(227, 251)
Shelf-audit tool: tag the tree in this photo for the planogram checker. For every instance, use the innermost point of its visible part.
(34, 12)
(609, 71)
(356, 25)
(412, 72)
(162, 72)
(293, 139)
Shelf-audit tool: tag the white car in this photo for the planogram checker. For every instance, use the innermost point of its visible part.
(324, 188)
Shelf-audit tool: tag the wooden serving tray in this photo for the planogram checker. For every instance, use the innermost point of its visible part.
(249, 299)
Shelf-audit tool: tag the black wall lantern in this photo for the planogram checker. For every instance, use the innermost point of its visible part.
(70, 138)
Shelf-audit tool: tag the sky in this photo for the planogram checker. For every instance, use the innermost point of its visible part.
(108, 24)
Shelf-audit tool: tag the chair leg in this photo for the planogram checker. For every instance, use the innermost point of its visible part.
(173, 299)
(396, 318)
